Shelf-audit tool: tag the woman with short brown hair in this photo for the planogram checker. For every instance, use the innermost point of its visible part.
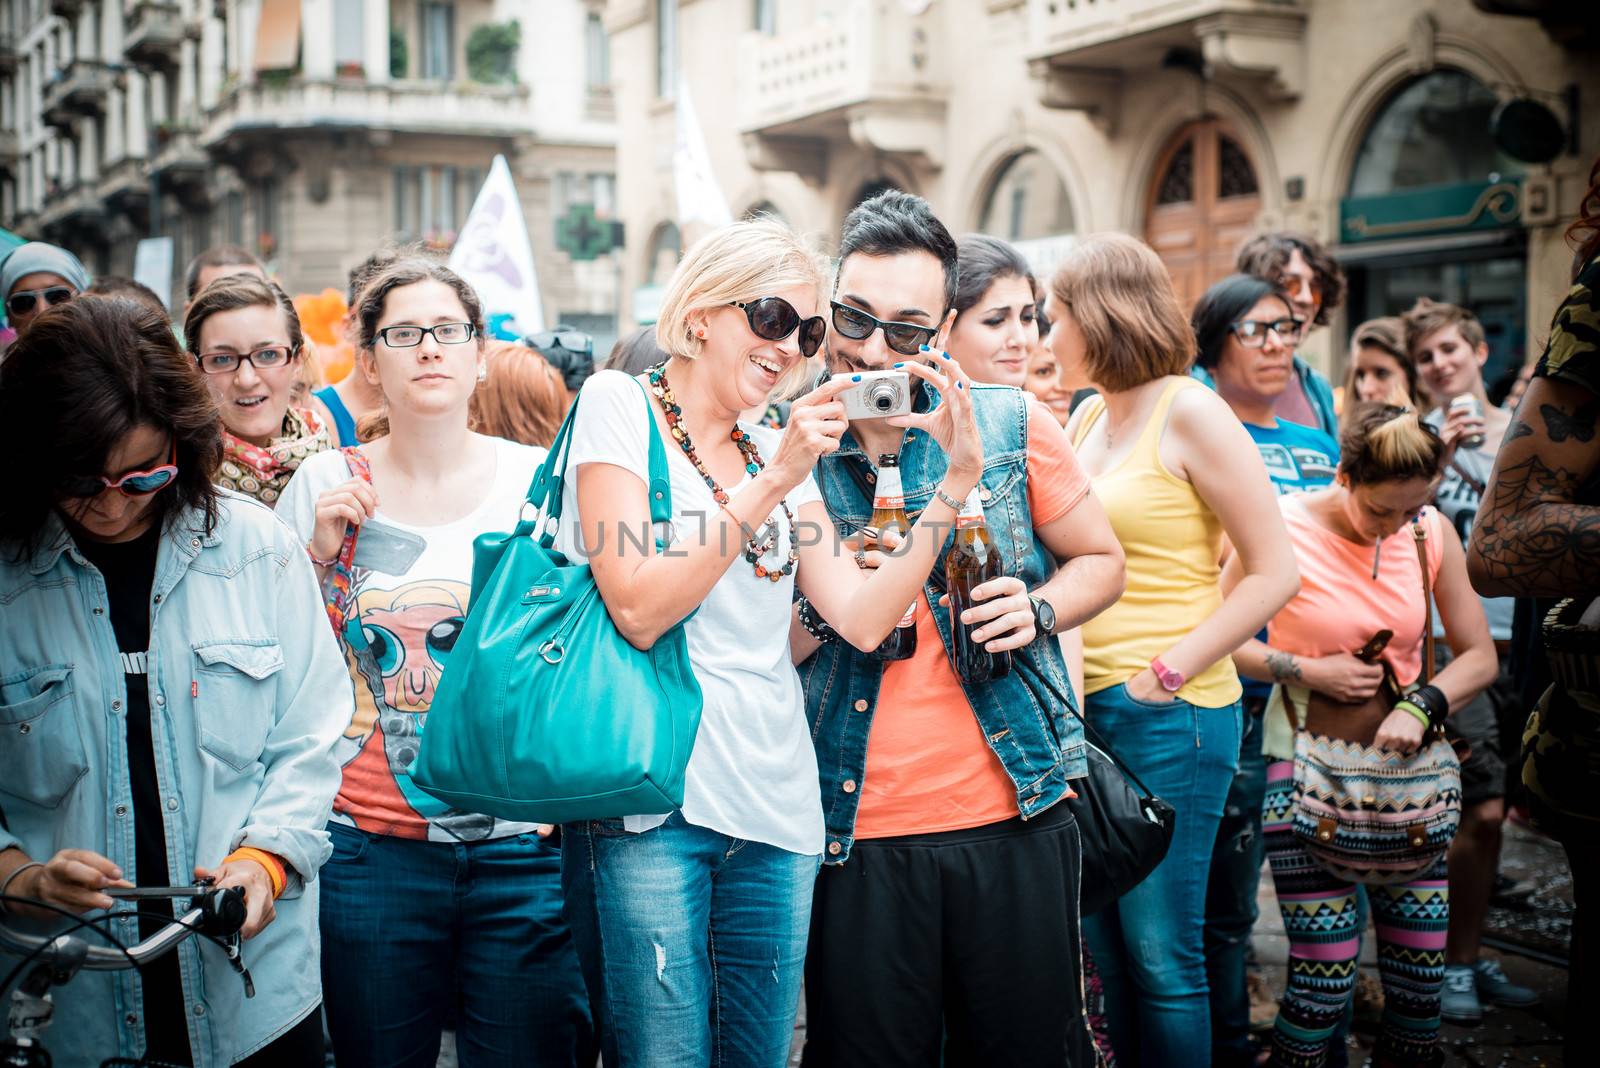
(1175, 472)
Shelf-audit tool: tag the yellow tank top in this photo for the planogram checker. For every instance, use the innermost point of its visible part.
(1172, 541)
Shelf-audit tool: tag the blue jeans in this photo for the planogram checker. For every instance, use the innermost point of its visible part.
(412, 928)
(693, 943)
(1231, 910)
(1148, 946)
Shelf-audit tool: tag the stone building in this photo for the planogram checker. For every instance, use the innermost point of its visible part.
(310, 131)
(1190, 123)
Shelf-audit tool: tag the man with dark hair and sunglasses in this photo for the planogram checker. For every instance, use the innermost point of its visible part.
(1299, 266)
(570, 351)
(36, 276)
(949, 857)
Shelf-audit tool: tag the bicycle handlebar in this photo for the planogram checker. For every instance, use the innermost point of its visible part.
(219, 912)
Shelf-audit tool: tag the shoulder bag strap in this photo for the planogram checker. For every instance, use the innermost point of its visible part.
(1421, 537)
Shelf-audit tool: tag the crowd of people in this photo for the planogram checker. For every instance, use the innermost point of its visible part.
(232, 589)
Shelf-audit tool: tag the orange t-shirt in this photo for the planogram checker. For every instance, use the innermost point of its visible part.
(929, 766)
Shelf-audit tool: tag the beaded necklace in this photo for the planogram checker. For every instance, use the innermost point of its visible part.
(754, 549)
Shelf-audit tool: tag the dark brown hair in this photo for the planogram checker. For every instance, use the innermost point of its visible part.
(1266, 255)
(85, 374)
(218, 256)
(116, 285)
(1388, 335)
(236, 291)
(368, 312)
(1388, 443)
(1120, 295)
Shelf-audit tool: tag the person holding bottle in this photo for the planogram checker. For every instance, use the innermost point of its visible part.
(949, 855)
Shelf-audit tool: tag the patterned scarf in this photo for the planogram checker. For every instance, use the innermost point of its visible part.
(261, 471)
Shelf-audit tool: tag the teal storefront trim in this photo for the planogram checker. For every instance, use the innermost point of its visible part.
(1440, 209)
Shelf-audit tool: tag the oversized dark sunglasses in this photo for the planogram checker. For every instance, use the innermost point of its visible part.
(22, 301)
(905, 338)
(773, 319)
(132, 484)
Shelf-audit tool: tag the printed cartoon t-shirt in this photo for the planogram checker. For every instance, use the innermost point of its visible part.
(409, 617)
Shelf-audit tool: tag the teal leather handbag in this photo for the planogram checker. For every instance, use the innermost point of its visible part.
(545, 712)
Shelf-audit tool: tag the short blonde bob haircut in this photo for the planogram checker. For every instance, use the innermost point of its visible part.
(743, 261)
(1119, 293)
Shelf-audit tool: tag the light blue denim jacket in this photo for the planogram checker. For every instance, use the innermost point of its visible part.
(248, 692)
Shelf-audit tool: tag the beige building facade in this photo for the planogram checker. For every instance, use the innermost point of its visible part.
(1191, 123)
(308, 131)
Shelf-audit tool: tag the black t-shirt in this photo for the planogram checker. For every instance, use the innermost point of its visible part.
(129, 570)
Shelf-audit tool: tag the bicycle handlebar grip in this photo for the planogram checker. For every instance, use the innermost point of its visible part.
(224, 910)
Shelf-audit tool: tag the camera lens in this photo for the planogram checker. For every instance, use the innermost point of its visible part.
(883, 396)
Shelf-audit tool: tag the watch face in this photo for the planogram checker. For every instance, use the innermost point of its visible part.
(1044, 616)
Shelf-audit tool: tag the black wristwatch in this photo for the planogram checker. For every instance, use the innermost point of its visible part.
(1044, 615)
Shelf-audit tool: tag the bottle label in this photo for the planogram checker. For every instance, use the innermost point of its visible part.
(971, 514)
(888, 496)
(910, 618)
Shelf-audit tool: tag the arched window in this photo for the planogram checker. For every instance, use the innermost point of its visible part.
(1433, 132)
(666, 248)
(1028, 200)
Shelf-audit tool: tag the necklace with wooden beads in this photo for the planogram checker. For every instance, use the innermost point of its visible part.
(766, 539)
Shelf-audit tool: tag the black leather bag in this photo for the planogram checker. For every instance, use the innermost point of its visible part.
(1126, 830)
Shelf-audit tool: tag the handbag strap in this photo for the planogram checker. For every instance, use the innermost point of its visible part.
(341, 577)
(1028, 668)
(1420, 536)
(549, 482)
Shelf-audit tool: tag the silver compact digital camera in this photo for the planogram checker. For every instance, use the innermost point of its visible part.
(878, 395)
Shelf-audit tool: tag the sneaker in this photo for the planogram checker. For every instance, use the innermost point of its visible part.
(1459, 1003)
(1493, 986)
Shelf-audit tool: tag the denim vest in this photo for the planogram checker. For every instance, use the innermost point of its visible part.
(248, 693)
(1039, 744)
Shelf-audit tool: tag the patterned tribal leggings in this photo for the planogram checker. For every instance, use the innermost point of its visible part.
(1320, 915)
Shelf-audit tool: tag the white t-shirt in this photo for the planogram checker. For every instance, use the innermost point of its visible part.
(753, 772)
(410, 617)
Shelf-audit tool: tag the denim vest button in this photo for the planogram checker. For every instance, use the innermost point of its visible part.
(983, 493)
(861, 705)
(131, 1019)
(172, 804)
(122, 810)
(834, 849)
(849, 786)
(199, 1010)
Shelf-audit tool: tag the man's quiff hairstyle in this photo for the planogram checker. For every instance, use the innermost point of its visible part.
(1427, 317)
(894, 223)
(743, 261)
(1266, 255)
(1118, 292)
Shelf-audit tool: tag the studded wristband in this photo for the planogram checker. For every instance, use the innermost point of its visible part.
(814, 624)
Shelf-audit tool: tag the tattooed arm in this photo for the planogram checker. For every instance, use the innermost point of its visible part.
(1531, 538)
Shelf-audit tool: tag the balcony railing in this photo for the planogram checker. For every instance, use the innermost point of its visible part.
(179, 157)
(800, 81)
(1084, 42)
(154, 34)
(72, 210)
(82, 87)
(123, 185)
(432, 107)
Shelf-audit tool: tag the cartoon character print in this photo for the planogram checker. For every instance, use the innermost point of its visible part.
(406, 634)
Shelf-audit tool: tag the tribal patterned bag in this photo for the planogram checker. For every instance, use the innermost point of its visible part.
(1374, 815)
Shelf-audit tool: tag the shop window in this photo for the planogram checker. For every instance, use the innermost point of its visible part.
(438, 39)
(1433, 132)
(597, 49)
(1027, 200)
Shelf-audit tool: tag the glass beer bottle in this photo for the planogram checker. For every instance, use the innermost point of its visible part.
(972, 561)
(889, 513)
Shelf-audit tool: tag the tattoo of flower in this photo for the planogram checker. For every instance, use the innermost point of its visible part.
(1284, 667)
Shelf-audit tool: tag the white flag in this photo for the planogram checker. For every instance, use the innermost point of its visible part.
(494, 256)
(700, 198)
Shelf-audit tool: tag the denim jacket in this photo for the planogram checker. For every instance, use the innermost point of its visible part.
(248, 693)
(1039, 744)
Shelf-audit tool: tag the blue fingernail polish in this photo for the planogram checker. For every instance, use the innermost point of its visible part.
(944, 355)
(961, 385)
(858, 377)
(924, 348)
(855, 378)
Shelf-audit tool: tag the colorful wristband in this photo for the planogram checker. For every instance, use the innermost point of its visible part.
(1422, 717)
(315, 559)
(275, 869)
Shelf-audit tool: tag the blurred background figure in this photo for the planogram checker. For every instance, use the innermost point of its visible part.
(569, 351)
(36, 276)
(635, 352)
(217, 262)
(522, 397)
(353, 397)
(1381, 368)
(116, 285)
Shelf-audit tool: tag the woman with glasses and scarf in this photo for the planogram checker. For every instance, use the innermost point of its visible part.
(245, 337)
(692, 926)
(429, 912)
(169, 695)
(37, 276)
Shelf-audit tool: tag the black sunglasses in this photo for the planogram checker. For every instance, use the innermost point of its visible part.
(773, 319)
(22, 303)
(905, 338)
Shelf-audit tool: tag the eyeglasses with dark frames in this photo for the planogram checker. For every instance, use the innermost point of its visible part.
(262, 359)
(1252, 333)
(773, 319)
(905, 338)
(409, 337)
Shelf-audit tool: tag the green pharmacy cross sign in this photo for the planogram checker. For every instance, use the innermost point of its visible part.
(583, 237)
